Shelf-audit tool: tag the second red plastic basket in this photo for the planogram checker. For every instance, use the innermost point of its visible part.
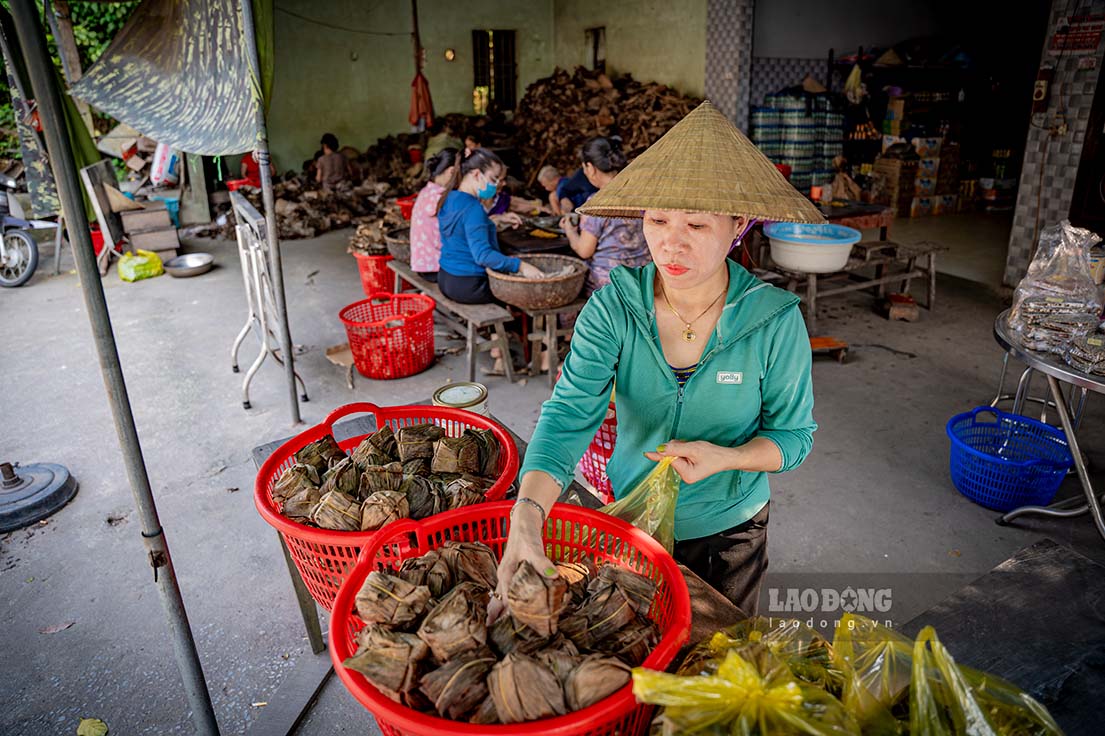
(390, 335)
(593, 463)
(324, 557)
(570, 533)
(376, 277)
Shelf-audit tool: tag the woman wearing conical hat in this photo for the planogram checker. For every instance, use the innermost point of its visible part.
(712, 365)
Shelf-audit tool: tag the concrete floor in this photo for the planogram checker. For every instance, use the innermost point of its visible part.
(873, 501)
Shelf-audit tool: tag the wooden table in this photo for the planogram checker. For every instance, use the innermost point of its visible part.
(520, 243)
(862, 216)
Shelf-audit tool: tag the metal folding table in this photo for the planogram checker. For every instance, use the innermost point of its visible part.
(1057, 372)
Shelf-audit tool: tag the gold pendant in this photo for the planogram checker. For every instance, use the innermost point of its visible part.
(689, 334)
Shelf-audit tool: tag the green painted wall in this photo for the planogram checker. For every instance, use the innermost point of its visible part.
(357, 86)
(651, 39)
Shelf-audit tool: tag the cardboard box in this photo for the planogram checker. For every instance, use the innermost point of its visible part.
(927, 147)
(928, 167)
(890, 140)
(920, 207)
(156, 240)
(895, 109)
(924, 186)
(128, 148)
(147, 218)
(945, 205)
(136, 163)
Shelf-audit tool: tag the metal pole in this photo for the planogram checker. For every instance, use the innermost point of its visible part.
(43, 80)
(267, 199)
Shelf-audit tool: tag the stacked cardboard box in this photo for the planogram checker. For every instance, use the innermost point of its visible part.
(150, 228)
(899, 180)
(948, 180)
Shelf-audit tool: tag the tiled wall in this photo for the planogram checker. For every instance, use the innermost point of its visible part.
(773, 74)
(729, 57)
(1057, 156)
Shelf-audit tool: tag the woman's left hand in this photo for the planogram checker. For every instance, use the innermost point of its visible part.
(695, 461)
(568, 226)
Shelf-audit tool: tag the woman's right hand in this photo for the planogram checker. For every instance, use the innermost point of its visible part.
(524, 544)
(529, 271)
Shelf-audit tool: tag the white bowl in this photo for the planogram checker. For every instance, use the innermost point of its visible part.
(811, 248)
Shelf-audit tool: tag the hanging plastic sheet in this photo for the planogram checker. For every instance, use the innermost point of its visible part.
(178, 72)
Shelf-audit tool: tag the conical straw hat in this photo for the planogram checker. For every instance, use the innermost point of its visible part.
(703, 164)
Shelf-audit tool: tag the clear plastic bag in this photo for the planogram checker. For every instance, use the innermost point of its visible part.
(1057, 300)
(876, 664)
(757, 696)
(651, 505)
(947, 699)
(142, 264)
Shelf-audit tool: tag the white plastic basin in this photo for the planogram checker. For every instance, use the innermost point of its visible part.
(811, 248)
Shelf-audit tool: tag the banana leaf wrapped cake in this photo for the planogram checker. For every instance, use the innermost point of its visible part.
(434, 473)
(569, 639)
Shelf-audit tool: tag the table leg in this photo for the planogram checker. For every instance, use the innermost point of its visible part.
(884, 233)
(471, 351)
(932, 282)
(910, 265)
(504, 346)
(811, 304)
(550, 343)
(535, 346)
(880, 271)
(306, 602)
(998, 397)
(1092, 504)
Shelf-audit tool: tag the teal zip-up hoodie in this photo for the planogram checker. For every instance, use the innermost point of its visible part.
(753, 380)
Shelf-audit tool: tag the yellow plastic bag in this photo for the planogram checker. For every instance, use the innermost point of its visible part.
(744, 698)
(651, 505)
(875, 663)
(142, 264)
(802, 649)
(946, 699)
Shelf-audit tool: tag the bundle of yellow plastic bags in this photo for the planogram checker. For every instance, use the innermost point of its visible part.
(776, 677)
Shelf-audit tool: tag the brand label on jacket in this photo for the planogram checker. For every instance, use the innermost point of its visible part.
(731, 377)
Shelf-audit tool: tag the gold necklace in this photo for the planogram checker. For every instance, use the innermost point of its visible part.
(690, 335)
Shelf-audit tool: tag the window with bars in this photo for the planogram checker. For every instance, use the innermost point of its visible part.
(495, 71)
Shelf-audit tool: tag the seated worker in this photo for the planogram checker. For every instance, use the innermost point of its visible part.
(605, 242)
(425, 231)
(565, 193)
(506, 209)
(251, 170)
(469, 243)
(331, 167)
(443, 137)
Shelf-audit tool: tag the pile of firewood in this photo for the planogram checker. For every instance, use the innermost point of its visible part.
(559, 113)
(304, 212)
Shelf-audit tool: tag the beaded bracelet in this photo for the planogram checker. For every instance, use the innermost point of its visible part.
(531, 502)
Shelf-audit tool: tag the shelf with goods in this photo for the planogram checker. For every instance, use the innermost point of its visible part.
(802, 131)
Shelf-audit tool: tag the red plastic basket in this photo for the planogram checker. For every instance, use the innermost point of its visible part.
(375, 274)
(593, 463)
(235, 184)
(570, 532)
(406, 205)
(325, 557)
(391, 335)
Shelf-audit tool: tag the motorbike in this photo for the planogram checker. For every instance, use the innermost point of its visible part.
(18, 249)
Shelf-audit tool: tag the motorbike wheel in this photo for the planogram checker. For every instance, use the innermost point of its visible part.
(20, 258)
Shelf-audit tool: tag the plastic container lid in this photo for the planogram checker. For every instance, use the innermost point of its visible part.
(463, 395)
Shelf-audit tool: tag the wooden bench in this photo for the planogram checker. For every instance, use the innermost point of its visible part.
(464, 319)
(547, 330)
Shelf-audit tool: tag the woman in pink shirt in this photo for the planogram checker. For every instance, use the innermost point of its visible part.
(425, 233)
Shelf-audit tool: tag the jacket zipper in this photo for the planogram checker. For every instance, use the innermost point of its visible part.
(682, 388)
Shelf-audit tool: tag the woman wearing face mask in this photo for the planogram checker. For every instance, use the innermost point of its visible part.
(425, 232)
(469, 244)
(605, 242)
(712, 365)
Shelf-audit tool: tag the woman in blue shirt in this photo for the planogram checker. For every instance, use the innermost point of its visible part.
(469, 243)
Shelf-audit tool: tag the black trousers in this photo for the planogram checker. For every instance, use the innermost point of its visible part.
(733, 561)
(465, 289)
(430, 276)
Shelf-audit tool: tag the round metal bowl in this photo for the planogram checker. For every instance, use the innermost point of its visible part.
(190, 264)
(544, 293)
(398, 242)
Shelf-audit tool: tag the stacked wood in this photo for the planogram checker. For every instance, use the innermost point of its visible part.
(559, 113)
(369, 235)
(305, 211)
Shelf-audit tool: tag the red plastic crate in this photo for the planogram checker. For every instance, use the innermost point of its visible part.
(376, 277)
(406, 205)
(593, 463)
(324, 557)
(570, 532)
(390, 335)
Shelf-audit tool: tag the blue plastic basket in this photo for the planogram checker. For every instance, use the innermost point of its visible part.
(1006, 463)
